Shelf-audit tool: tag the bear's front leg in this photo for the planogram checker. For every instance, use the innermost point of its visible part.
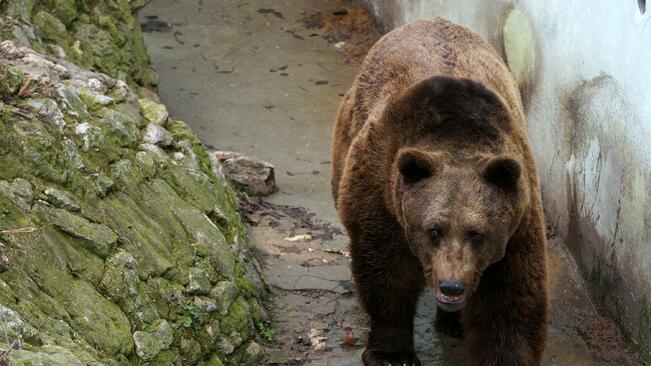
(505, 323)
(388, 287)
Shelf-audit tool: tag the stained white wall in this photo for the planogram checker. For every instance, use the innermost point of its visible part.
(588, 102)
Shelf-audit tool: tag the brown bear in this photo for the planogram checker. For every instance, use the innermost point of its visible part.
(436, 185)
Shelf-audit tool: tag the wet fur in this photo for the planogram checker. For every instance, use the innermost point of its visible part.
(435, 86)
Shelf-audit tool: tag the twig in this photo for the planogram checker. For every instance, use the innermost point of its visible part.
(6, 353)
(21, 113)
(25, 86)
(21, 230)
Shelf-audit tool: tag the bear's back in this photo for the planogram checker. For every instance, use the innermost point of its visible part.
(423, 49)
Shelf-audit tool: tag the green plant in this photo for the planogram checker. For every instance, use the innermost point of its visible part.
(266, 332)
(192, 316)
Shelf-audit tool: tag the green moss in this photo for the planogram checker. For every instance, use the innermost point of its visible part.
(65, 10)
(10, 83)
(238, 319)
(51, 28)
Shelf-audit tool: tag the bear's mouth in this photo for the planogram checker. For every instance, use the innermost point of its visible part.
(449, 302)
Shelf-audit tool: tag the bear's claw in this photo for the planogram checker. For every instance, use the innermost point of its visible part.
(379, 358)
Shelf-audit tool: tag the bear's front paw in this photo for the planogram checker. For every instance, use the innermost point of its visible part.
(380, 358)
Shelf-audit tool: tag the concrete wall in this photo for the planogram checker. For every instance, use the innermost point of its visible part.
(585, 71)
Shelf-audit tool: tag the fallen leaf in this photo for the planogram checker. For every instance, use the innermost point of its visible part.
(349, 339)
(301, 237)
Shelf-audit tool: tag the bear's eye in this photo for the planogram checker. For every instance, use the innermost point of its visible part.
(435, 235)
(475, 236)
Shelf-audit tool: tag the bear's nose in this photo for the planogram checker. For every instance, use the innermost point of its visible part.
(451, 287)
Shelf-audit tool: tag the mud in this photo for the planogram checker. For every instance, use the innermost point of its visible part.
(266, 78)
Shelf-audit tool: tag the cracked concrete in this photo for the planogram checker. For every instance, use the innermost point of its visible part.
(249, 76)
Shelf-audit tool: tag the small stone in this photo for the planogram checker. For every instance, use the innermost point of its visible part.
(121, 168)
(205, 305)
(149, 94)
(199, 283)
(255, 176)
(95, 100)
(190, 160)
(120, 127)
(254, 354)
(102, 183)
(70, 99)
(213, 329)
(57, 50)
(23, 191)
(150, 344)
(225, 293)
(13, 326)
(48, 110)
(146, 163)
(156, 135)
(97, 238)
(160, 158)
(217, 216)
(61, 199)
(71, 153)
(153, 112)
(96, 85)
(92, 136)
(225, 346)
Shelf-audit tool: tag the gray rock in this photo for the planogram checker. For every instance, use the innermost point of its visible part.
(253, 354)
(189, 160)
(160, 158)
(255, 176)
(118, 125)
(92, 136)
(57, 50)
(156, 135)
(22, 189)
(61, 199)
(225, 293)
(225, 346)
(199, 283)
(97, 238)
(153, 112)
(69, 97)
(15, 328)
(146, 163)
(102, 183)
(213, 330)
(48, 110)
(150, 344)
(71, 153)
(205, 304)
(217, 216)
(121, 283)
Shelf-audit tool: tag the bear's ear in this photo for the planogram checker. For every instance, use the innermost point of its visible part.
(415, 165)
(503, 172)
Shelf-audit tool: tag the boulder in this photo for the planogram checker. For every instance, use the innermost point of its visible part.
(255, 176)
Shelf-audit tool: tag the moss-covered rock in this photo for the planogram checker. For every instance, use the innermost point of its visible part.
(123, 249)
(100, 35)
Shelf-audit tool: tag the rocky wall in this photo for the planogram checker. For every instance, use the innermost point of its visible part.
(120, 239)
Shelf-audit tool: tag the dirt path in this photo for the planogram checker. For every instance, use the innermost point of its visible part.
(265, 78)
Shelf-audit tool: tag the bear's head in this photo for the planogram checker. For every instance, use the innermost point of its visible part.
(457, 195)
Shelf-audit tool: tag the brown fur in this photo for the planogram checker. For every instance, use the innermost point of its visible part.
(434, 179)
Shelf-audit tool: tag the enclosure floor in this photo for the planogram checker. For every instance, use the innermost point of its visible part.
(249, 76)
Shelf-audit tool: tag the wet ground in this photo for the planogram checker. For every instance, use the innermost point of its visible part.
(265, 78)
